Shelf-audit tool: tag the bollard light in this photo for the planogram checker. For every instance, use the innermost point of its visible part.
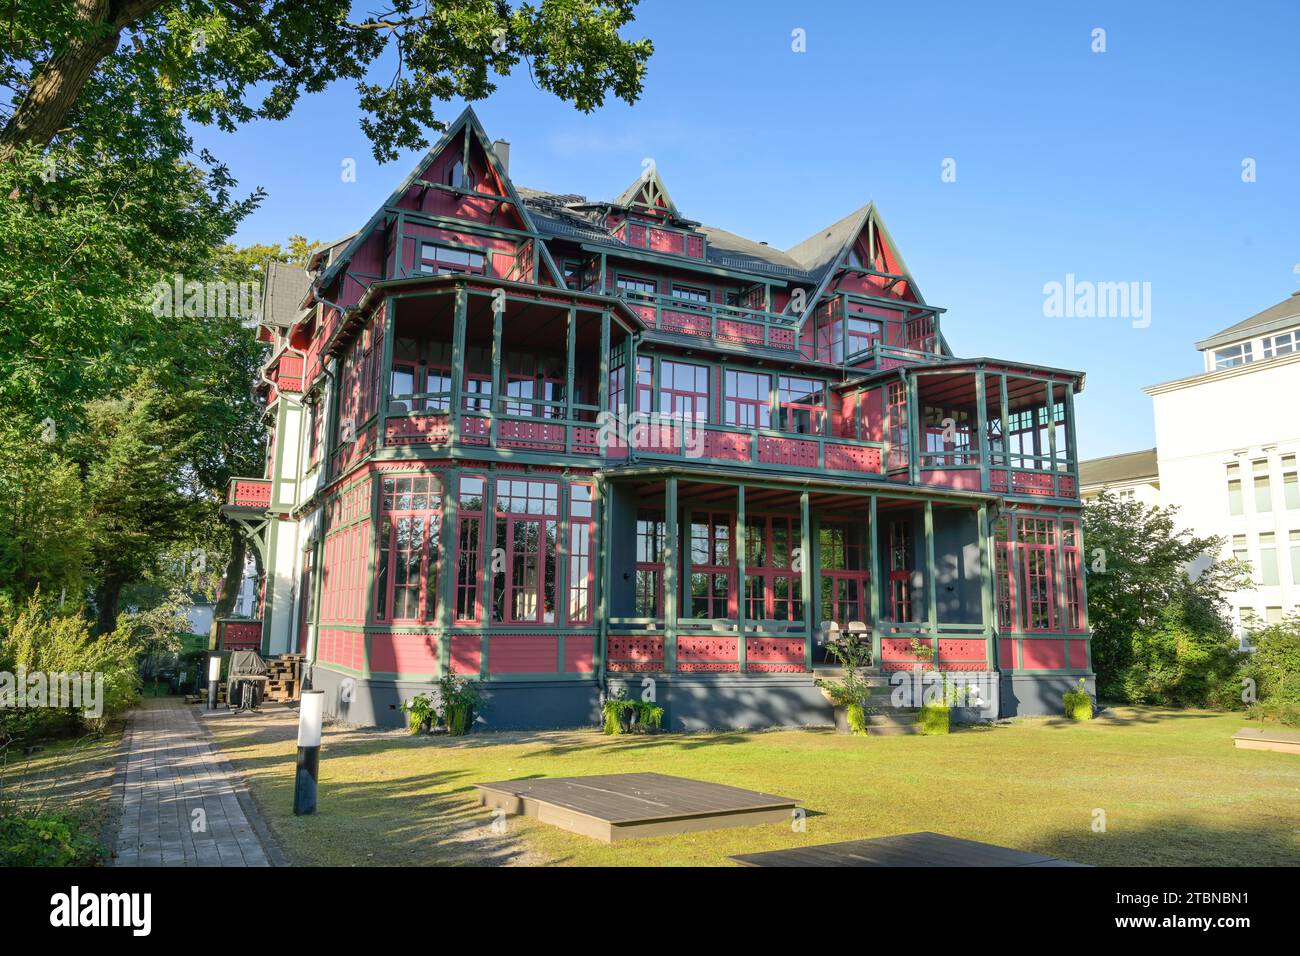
(311, 710)
(214, 678)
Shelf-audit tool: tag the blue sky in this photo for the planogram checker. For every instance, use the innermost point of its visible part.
(1122, 166)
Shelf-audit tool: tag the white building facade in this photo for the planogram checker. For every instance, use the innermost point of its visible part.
(1228, 442)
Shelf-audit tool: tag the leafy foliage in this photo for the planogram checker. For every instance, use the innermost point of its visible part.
(28, 839)
(1077, 702)
(1156, 601)
(1274, 669)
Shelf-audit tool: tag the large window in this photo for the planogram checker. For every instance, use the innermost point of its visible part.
(1268, 558)
(1290, 483)
(902, 567)
(948, 434)
(899, 435)
(1233, 356)
(773, 587)
(633, 284)
(1235, 501)
(581, 570)
(439, 259)
(845, 580)
(406, 576)
(1263, 491)
(1283, 344)
(523, 588)
(688, 294)
(1071, 558)
(684, 391)
(1036, 551)
(749, 399)
(712, 569)
(469, 547)
(650, 538)
(802, 405)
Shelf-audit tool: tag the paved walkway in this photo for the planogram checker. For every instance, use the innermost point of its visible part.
(169, 771)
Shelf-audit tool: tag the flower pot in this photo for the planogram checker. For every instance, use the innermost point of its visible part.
(459, 719)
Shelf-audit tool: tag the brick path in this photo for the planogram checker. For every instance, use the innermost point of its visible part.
(170, 770)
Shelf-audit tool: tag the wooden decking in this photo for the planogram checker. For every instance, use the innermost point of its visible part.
(624, 806)
(1260, 738)
(907, 849)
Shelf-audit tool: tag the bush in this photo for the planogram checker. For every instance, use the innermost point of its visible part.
(1182, 661)
(1078, 705)
(857, 717)
(1275, 663)
(420, 712)
(458, 701)
(934, 718)
(622, 716)
(28, 839)
(1276, 711)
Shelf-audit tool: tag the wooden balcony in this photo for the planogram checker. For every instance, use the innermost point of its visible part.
(249, 494)
(722, 323)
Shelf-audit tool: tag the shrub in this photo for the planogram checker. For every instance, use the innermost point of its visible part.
(420, 713)
(1275, 663)
(621, 715)
(934, 718)
(857, 717)
(458, 701)
(1183, 660)
(1078, 705)
(27, 839)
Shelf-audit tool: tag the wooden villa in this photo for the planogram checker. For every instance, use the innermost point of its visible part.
(555, 444)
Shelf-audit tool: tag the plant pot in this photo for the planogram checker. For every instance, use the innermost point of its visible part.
(459, 719)
(850, 719)
(627, 720)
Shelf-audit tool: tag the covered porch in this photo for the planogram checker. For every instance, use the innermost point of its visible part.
(716, 574)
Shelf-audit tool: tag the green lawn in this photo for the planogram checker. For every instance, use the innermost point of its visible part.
(1173, 789)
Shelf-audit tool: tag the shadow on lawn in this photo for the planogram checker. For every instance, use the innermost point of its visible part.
(1176, 841)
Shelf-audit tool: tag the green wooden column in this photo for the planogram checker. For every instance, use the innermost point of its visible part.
(600, 492)
(805, 576)
(1051, 438)
(570, 352)
(987, 609)
(740, 576)
(1072, 453)
(877, 605)
(494, 400)
(458, 363)
(982, 424)
(386, 370)
(445, 614)
(602, 386)
(670, 574)
(914, 431)
(931, 582)
(488, 540)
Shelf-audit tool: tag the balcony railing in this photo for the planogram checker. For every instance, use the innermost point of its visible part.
(249, 493)
(723, 323)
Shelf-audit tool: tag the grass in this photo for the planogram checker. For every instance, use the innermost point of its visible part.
(65, 776)
(1172, 787)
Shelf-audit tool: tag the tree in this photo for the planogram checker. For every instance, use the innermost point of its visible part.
(1150, 584)
(226, 62)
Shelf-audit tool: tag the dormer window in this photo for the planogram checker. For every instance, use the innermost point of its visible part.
(1283, 344)
(1233, 356)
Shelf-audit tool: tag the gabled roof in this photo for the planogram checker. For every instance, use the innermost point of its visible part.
(1113, 469)
(647, 192)
(282, 293)
(1276, 317)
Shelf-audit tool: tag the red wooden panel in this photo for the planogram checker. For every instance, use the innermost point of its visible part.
(422, 430)
(691, 323)
(695, 246)
(857, 458)
(534, 435)
(731, 446)
(404, 653)
(636, 653)
(466, 653)
(579, 654)
(522, 653)
(1043, 653)
(733, 331)
(1029, 483)
(250, 492)
(963, 649)
(240, 635)
(787, 451)
(1078, 655)
(774, 654)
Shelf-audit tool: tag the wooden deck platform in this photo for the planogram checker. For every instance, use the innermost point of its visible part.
(1261, 738)
(906, 849)
(623, 806)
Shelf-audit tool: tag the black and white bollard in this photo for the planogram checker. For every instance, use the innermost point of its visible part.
(310, 712)
(214, 678)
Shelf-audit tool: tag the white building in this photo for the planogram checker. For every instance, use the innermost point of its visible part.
(1228, 440)
(1133, 474)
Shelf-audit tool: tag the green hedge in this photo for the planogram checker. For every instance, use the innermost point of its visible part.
(934, 719)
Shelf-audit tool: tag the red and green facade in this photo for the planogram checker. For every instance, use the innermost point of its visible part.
(557, 445)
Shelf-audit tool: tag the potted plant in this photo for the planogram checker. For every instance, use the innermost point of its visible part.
(935, 716)
(1078, 705)
(618, 712)
(649, 716)
(420, 713)
(458, 702)
(848, 695)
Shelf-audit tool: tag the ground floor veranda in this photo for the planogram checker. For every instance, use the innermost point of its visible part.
(549, 584)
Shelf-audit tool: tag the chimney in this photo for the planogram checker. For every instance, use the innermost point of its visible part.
(502, 149)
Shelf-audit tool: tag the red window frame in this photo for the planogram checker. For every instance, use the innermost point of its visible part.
(582, 570)
(1072, 583)
(645, 384)
(769, 569)
(748, 402)
(530, 570)
(844, 568)
(407, 567)
(789, 411)
(1037, 584)
(445, 259)
(470, 492)
(684, 390)
(896, 417)
(902, 566)
(713, 561)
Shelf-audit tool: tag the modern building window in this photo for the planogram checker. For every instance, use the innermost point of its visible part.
(650, 544)
(1295, 557)
(1272, 615)
(1263, 492)
(1233, 356)
(684, 391)
(1235, 503)
(801, 407)
(1267, 559)
(633, 284)
(1290, 483)
(1283, 344)
(1239, 549)
(437, 259)
(749, 399)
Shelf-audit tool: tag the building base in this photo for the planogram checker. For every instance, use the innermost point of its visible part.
(727, 701)
(1041, 695)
